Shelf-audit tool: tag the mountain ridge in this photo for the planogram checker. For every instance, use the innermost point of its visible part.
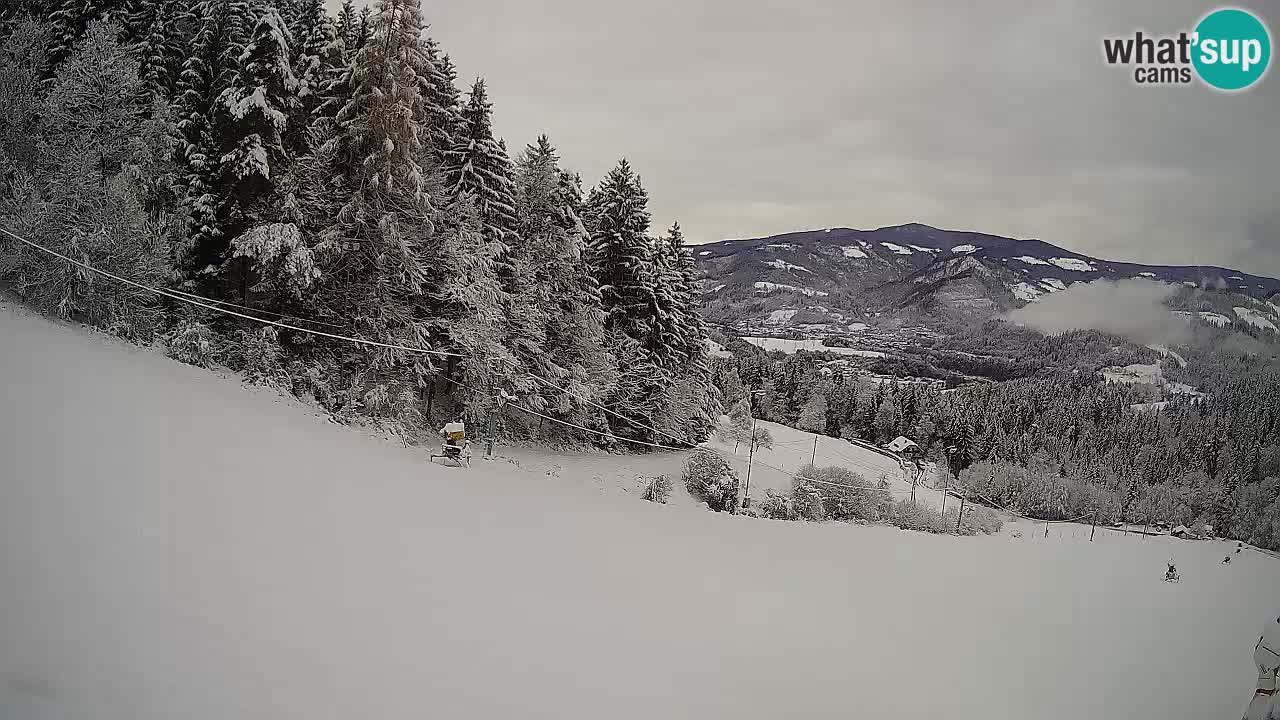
(834, 275)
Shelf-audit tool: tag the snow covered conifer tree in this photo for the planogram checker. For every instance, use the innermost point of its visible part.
(83, 198)
(374, 266)
(622, 259)
(347, 27)
(208, 72)
(551, 246)
(478, 165)
(444, 121)
(253, 114)
(317, 60)
(72, 18)
(22, 65)
(365, 29)
(159, 26)
(621, 254)
(255, 108)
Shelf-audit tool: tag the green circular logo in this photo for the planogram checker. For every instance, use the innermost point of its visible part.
(1232, 49)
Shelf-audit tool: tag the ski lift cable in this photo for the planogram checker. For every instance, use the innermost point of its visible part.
(572, 394)
(998, 506)
(461, 384)
(181, 298)
(251, 309)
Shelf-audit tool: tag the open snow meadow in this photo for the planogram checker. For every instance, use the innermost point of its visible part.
(176, 545)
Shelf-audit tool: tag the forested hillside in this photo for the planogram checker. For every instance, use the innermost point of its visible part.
(1063, 442)
(327, 173)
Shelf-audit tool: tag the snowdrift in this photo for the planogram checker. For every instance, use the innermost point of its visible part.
(175, 545)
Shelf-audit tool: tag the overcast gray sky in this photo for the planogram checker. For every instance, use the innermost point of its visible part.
(753, 117)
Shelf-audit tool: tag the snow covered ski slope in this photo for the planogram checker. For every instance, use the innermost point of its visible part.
(175, 545)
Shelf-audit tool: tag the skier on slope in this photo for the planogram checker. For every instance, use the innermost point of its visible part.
(1266, 654)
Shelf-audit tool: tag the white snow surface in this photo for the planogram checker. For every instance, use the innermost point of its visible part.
(790, 346)
(705, 252)
(1026, 292)
(1073, 264)
(1053, 284)
(853, 251)
(1254, 318)
(175, 545)
(780, 317)
(1031, 260)
(1169, 352)
(715, 349)
(1212, 318)
(771, 287)
(923, 249)
(784, 265)
(896, 249)
(964, 249)
(1146, 274)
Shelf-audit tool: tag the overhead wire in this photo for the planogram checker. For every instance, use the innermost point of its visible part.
(214, 308)
(222, 307)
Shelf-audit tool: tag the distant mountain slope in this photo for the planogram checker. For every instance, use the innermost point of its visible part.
(839, 275)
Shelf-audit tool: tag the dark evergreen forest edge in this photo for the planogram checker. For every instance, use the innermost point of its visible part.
(329, 172)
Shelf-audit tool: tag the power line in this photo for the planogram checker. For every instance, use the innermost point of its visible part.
(213, 306)
(181, 298)
(252, 309)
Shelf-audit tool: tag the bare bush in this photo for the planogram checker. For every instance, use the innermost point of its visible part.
(657, 489)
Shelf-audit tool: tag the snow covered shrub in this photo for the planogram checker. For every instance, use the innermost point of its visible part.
(981, 520)
(708, 477)
(658, 490)
(917, 517)
(846, 495)
(775, 507)
(257, 354)
(807, 502)
(193, 343)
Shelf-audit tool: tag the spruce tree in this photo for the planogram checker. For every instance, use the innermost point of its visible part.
(72, 17)
(620, 254)
(347, 28)
(365, 29)
(161, 27)
(253, 115)
(84, 197)
(210, 69)
(550, 253)
(478, 166)
(444, 121)
(317, 60)
(375, 266)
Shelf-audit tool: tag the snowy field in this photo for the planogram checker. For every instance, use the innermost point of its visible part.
(173, 545)
(812, 345)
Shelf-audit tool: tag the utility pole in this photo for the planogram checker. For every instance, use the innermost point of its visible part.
(751, 449)
(814, 456)
(1095, 525)
(488, 410)
(963, 497)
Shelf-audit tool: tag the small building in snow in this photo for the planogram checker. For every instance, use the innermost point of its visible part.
(903, 446)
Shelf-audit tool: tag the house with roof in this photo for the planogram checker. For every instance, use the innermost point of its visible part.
(903, 446)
